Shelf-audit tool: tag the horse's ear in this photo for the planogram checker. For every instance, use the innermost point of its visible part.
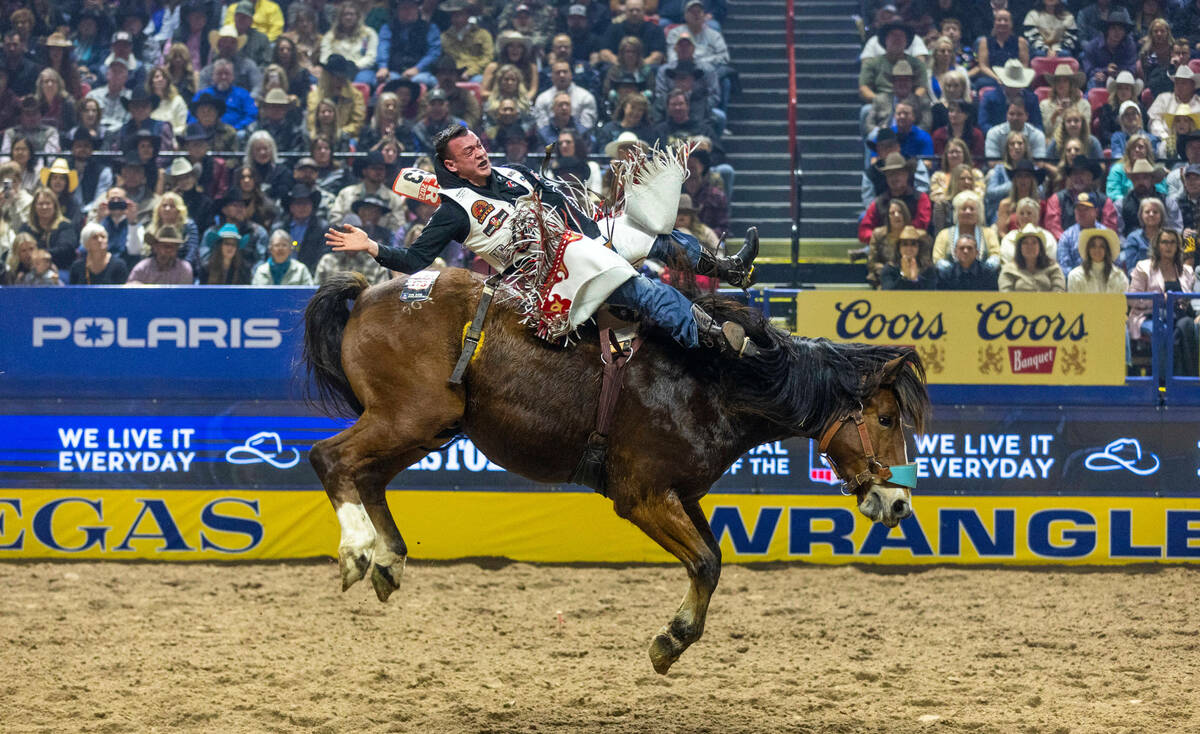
(891, 369)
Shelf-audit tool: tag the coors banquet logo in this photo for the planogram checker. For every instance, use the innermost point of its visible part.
(1031, 360)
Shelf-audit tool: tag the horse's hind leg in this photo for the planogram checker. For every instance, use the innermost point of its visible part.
(681, 528)
(331, 460)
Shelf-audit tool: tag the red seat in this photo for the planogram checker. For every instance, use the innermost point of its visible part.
(474, 88)
(1043, 93)
(365, 90)
(84, 88)
(1097, 98)
(1147, 98)
(1045, 66)
(1194, 65)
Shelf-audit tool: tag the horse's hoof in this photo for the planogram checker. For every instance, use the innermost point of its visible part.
(386, 579)
(664, 651)
(353, 565)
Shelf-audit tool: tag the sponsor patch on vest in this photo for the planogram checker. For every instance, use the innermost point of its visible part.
(418, 285)
(495, 223)
(480, 209)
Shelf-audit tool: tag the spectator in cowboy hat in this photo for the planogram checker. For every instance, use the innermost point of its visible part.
(209, 170)
(29, 126)
(516, 49)
(1189, 148)
(1183, 92)
(1106, 56)
(228, 262)
(371, 209)
(335, 85)
(304, 226)
(163, 266)
(372, 170)
(468, 43)
(1098, 271)
(703, 93)
(1014, 78)
(252, 238)
(875, 77)
(139, 105)
(61, 179)
(913, 269)
(94, 176)
(181, 179)
(883, 108)
(207, 111)
(281, 268)
(283, 120)
(1031, 269)
(1147, 181)
(1083, 175)
(898, 173)
(1188, 200)
(306, 172)
(874, 181)
(1067, 248)
(240, 109)
(463, 103)
(1066, 93)
(246, 72)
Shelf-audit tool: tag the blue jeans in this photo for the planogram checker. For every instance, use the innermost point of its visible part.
(666, 244)
(662, 304)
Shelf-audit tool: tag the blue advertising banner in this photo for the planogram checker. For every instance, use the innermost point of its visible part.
(972, 451)
(152, 342)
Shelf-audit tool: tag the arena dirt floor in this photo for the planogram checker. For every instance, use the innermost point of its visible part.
(109, 647)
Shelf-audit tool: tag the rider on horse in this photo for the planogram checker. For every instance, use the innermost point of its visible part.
(596, 267)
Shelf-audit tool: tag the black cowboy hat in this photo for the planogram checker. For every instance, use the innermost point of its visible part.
(884, 135)
(373, 158)
(301, 191)
(445, 63)
(339, 65)
(1181, 141)
(139, 95)
(130, 158)
(887, 28)
(1119, 16)
(144, 134)
(1026, 166)
(393, 85)
(196, 132)
(208, 98)
(82, 134)
(368, 200)
(1083, 163)
(231, 195)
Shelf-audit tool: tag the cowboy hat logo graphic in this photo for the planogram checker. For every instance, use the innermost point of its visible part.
(263, 447)
(1123, 453)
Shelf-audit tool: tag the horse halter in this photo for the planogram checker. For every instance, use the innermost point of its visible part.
(904, 475)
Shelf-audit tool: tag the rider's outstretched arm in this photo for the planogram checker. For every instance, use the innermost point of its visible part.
(448, 223)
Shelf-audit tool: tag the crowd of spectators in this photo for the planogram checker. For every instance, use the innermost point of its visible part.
(181, 141)
(1034, 145)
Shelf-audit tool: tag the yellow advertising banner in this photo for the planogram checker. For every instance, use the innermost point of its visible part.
(559, 527)
(981, 338)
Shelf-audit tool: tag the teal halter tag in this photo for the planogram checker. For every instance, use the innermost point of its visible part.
(905, 475)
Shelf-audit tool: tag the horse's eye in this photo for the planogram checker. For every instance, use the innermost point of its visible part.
(885, 421)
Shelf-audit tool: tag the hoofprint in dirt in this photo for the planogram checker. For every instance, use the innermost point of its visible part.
(111, 647)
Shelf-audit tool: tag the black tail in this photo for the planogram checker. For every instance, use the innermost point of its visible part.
(324, 324)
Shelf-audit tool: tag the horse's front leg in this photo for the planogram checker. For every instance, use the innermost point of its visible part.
(681, 528)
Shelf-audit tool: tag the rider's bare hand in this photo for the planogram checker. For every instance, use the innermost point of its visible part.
(349, 238)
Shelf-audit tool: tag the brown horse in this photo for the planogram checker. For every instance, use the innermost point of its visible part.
(683, 418)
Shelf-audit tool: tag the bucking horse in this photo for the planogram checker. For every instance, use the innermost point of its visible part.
(682, 418)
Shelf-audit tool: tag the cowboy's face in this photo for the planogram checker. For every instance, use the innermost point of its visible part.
(164, 253)
(965, 252)
(1115, 35)
(301, 208)
(466, 156)
(1017, 117)
(374, 174)
(133, 176)
(897, 181)
(1184, 88)
(904, 117)
(677, 108)
(685, 82)
(139, 111)
(902, 85)
(274, 112)
(895, 41)
(226, 47)
(1080, 180)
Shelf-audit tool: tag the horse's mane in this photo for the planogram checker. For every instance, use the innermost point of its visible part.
(801, 384)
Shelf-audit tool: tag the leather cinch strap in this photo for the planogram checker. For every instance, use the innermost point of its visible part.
(474, 331)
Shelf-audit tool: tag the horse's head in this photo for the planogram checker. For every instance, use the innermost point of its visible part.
(866, 447)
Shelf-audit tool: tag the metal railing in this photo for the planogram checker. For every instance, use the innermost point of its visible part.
(795, 183)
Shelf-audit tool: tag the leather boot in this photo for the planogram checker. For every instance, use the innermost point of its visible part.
(738, 270)
(729, 337)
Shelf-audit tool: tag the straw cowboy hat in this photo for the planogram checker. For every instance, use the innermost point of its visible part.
(902, 68)
(1015, 75)
(897, 162)
(512, 36)
(1144, 166)
(180, 167)
(60, 165)
(910, 233)
(1109, 236)
(1183, 110)
(167, 234)
(277, 96)
(226, 31)
(58, 40)
(1064, 71)
(1032, 230)
(613, 149)
(1125, 78)
(1185, 73)
(686, 206)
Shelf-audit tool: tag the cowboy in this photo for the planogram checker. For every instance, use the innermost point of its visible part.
(245, 73)
(278, 116)
(306, 172)
(209, 171)
(874, 181)
(1083, 175)
(876, 74)
(699, 83)
(42, 138)
(1188, 202)
(253, 238)
(140, 104)
(1017, 121)
(1015, 79)
(1146, 178)
(883, 108)
(1085, 218)
(181, 179)
(372, 171)
(478, 208)
(1105, 57)
(305, 228)
(370, 209)
(1183, 92)
(94, 176)
(437, 118)
(898, 171)
(408, 46)
(163, 266)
